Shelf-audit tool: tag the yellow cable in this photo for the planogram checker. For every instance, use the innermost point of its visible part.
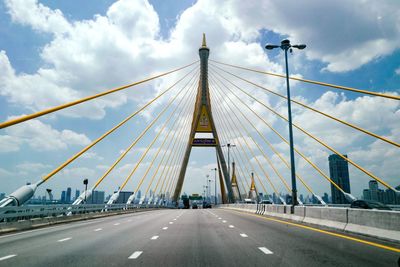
(63, 165)
(158, 151)
(53, 109)
(324, 144)
(266, 141)
(148, 148)
(313, 109)
(314, 82)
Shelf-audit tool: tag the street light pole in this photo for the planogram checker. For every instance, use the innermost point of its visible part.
(229, 145)
(285, 45)
(215, 181)
(85, 182)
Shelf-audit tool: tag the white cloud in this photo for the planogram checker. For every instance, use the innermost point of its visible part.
(41, 137)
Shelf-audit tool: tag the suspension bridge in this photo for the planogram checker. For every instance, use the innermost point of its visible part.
(210, 105)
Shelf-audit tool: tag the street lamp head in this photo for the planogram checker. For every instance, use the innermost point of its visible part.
(270, 46)
(300, 46)
(85, 182)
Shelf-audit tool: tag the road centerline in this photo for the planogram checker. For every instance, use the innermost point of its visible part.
(135, 255)
(7, 257)
(64, 239)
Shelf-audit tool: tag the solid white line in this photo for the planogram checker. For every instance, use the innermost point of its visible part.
(165, 228)
(7, 257)
(154, 237)
(171, 222)
(64, 239)
(135, 255)
(243, 235)
(265, 250)
(224, 221)
(98, 229)
(231, 226)
(116, 223)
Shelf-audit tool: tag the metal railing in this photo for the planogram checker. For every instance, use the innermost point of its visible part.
(10, 214)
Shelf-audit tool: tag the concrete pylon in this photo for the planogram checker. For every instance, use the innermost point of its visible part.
(235, 186)
(253, 194)
(203, 122)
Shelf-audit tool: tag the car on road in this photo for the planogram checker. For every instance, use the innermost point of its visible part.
(194, 206)
(369, 204)
(264, 201)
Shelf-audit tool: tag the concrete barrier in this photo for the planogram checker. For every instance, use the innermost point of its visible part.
(329, 217)
(375, 223)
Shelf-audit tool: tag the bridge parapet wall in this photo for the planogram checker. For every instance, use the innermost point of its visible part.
(376, 223)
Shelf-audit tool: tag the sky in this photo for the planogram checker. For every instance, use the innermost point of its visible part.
(53, 52)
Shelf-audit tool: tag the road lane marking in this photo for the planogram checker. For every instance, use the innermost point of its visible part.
(243, 235)
(154, 237)
(224, 221)
(116, 223)
(219, 218)
(135, 255)
(64, 239)
(174, 219)
(265, 250)
(323, 232)
(98, 229)
(171, 222)
(165, 228)
(231, 226)
(7, 257)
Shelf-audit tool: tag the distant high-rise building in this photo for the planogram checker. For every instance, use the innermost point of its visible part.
(68, 195)
(63, 196)
(2, 195)
(123, 197)
(97, 197)
(339, 173)
(325, 198)
(375, 194)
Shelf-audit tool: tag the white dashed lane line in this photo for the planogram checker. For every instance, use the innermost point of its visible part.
(154, 237)
(64, 239)
(98, 229)
(7, 257)
(265, 250)
(116, 223)
(165, 228)
(135, 255)
(243, 235)
(171, 222)
(219, 218)
(231, 226)
(224, 221)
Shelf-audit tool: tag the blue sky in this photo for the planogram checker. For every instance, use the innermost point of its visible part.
(58, 55)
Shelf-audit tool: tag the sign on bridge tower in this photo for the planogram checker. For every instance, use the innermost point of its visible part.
(203, 122)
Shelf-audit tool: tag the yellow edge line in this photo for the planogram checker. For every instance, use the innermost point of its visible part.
(322, 231)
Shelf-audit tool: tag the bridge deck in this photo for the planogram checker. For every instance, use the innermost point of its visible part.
(212, 237)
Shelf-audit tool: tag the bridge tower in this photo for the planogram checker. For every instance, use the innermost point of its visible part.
(203, 122)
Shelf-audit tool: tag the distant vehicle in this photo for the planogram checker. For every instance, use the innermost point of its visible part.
(185, 200)
(368, 204)
(249, 201)
(206, 205)
(194, 205)
(264, 201)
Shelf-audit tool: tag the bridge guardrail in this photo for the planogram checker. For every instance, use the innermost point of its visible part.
(13, 213)
(377, 223)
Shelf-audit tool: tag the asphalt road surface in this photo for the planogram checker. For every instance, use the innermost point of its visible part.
(212, 237)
